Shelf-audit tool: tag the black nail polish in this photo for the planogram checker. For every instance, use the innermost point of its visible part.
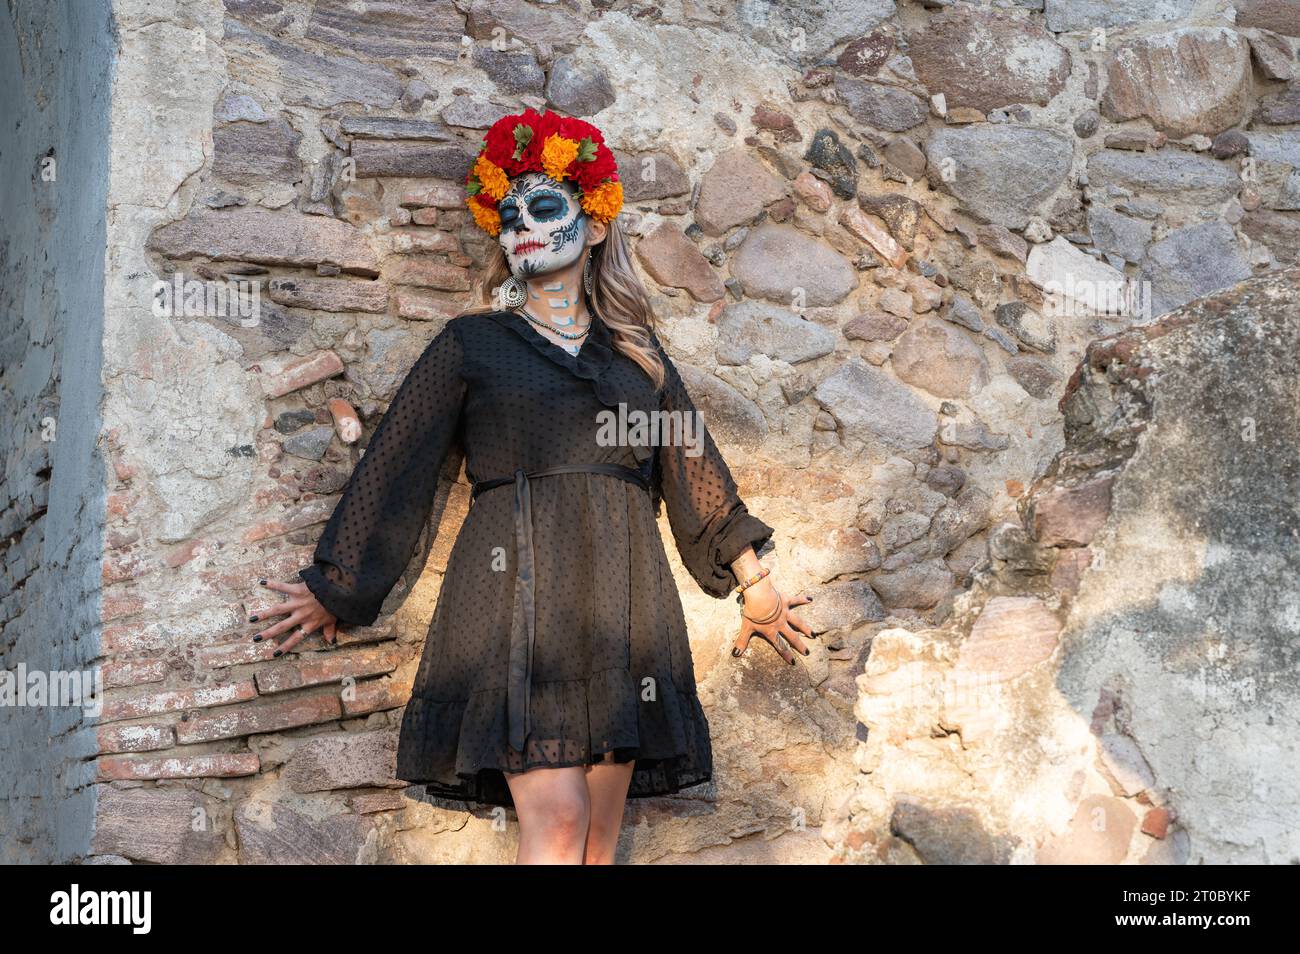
(277, 653)
(735, 652)
(252, 619)
(807, 652)
(263, 582)
(791, 662)
(257, 639)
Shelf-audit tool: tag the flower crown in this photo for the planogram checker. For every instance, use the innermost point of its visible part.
(560, 146)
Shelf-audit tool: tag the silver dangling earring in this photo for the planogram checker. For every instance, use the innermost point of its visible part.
(587, 276)
(513, 292)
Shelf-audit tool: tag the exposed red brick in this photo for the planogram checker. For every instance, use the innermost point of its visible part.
(1098, 834)
(419, 271)
(285, 375)
(423, 307)
(1156, 822)
(187, 551)
(133, 738)
(204, 627)
(132, 672)
(303, 515)
(425, 216)
(405, 243)
(282, 564)
(123, 767)
(239, 653)
(128, 565)
(259, 718)
(437, 196)
(117, 605)
(330, 667)
(377, 695)
(123, 638)
(121, 504)
(862, 226)
(199, 697)
(346, 422)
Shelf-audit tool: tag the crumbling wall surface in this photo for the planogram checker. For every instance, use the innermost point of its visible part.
(55, 60)
(1118, 685)
(877, 238)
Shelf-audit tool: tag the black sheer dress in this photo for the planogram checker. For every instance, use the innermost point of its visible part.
(558, 634)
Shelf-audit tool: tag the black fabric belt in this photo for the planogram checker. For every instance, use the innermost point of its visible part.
(523, 626)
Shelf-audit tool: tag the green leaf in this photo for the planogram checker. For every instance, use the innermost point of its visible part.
(523, 136)
(474, 188)
(586, 149)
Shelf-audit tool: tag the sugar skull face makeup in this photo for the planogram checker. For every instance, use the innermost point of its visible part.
(543, 227)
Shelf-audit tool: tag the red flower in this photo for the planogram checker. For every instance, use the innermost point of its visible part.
(543, 125)
(501, 143)
(577, 130)
(591, 174)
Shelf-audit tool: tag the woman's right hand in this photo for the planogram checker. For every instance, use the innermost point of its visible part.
(304, 611)
(763, 601)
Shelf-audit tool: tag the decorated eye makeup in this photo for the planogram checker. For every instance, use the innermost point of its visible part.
(547, 205)
(509, 210)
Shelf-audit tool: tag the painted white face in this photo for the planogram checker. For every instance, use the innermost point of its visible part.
(543, 227)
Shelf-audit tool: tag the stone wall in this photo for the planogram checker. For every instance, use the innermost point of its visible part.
(54, 67)
(878, 239)
(1117, 685)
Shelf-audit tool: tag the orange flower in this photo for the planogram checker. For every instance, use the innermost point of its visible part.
(489, 220)
(557, 155)
(603, 202)
(492, 177)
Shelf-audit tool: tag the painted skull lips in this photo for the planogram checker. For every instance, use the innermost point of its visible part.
(532, 245)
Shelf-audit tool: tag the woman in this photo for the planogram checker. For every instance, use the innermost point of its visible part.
(557, 675)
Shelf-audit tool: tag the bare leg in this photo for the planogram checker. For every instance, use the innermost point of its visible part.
(607, 784)
(554, 811)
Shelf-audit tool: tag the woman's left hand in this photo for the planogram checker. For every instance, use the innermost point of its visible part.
(761, 602)
(302, 610)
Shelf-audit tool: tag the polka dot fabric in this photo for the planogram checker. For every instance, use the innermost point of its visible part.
(612, 668)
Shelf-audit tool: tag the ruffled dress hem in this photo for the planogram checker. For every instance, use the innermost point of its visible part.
(457, 750)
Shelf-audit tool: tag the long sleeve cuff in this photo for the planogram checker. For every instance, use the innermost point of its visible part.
(740, 529)
(348, 607)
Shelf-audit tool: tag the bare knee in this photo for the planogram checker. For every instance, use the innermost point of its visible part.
(561, 818)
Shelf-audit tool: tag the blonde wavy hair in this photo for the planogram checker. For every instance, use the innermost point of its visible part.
(617, 297)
